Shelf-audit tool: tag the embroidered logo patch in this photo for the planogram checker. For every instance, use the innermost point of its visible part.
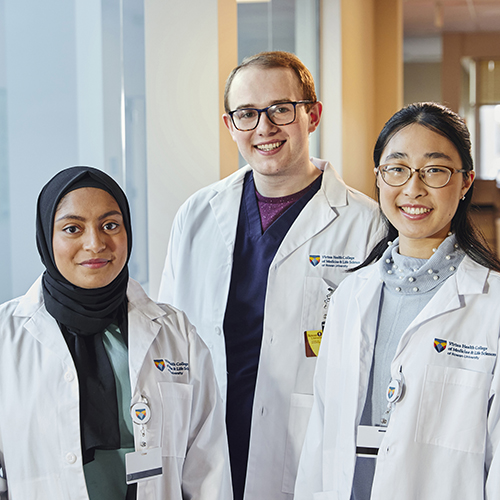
(340, 261)
(172, 367)
(160, 364)
(440, 345)
(314, 260)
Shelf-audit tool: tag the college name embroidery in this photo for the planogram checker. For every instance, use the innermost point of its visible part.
(467, 351)
(342, 261)
(173, 367)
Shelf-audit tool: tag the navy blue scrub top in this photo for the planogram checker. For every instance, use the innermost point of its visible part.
(243, 321)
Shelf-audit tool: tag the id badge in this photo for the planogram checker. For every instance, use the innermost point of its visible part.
(313, 342)
(143, 465)
(369, 440)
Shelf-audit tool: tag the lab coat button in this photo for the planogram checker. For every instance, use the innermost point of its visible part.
(69, 376)
(71, 458)
(218, 330)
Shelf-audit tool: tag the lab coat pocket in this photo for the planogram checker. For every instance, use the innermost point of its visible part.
(317, 294)
(300, 410)
(453, 409)
(176, 400)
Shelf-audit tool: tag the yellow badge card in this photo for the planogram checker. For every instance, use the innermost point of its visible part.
(313, 341)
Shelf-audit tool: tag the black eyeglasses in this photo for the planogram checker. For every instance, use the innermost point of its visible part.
(282, 113)
(434, 176)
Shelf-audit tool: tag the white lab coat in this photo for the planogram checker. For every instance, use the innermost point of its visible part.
(39, 404)
(442, 439)
(339, 225)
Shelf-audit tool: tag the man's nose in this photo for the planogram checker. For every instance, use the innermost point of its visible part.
(265, 125)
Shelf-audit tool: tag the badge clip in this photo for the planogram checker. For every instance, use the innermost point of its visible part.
(395, 392)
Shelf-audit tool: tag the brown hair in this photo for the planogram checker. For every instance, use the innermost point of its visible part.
(275, 59)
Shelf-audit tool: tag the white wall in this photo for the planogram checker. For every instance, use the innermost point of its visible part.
(331, 82)
(182, 113)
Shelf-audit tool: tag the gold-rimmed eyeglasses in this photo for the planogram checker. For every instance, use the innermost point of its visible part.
(434, 176)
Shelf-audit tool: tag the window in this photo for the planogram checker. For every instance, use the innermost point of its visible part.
(72, 92)
(481, 106)
(290, 25)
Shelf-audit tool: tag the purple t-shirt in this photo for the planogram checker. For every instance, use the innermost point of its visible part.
(271, 208)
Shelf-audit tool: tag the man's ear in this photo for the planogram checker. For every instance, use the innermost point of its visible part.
(315, 116)
(229, 125)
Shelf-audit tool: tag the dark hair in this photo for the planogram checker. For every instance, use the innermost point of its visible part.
(445, 122)
(275, 59)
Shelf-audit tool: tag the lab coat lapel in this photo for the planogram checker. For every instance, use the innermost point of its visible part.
(46, 330)
(142, 328)
(350, 377)
(470, 278)
(41, 325)
(357, 350)
(368, 303)
(315, 216)
(226, 207)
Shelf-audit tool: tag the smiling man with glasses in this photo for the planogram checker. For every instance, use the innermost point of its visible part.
(254, 259)
(282, 113)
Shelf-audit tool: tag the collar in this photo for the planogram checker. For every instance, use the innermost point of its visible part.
(332, 186)
(33, 300)
(412, 276)
(470, 278)
(140, 301)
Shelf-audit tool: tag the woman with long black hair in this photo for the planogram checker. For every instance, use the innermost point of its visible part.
(407, 384)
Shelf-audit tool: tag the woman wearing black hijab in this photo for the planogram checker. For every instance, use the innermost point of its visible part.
(94, 374)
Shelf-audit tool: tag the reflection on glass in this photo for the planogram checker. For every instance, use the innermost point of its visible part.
(489, 119)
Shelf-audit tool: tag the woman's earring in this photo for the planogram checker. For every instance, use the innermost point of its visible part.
(463, 197)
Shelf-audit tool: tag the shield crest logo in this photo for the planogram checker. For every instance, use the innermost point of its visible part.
(390, 391)
(314, 260)
(160, 364)
(440, 345)
(140, 414)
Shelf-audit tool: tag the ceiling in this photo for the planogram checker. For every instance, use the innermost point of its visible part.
(433, 17)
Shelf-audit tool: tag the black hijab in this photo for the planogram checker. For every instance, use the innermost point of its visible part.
(83, 314)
